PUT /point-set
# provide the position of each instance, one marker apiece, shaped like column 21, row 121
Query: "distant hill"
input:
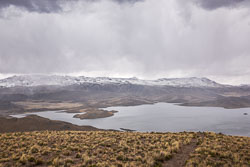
column 36, row 123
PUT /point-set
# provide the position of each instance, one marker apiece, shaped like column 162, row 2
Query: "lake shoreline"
column 163, row 117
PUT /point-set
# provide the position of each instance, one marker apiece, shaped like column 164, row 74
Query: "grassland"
column 221, row 150
column 109, row 148
column 33, row 105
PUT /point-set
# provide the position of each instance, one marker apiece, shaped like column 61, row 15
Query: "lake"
column 165, row 117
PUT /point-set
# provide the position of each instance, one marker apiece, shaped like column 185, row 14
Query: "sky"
column 148, row 39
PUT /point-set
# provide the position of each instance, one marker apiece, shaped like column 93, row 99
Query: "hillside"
column 106, row 148
column 36, row 123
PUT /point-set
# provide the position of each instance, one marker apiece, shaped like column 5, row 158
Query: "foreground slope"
column 108, row 148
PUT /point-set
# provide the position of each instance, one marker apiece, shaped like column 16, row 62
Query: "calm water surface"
column 165, row 117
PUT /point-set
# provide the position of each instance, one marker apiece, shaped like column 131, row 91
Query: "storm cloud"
column 46, row 6
column 173, row 38
column 214, row 4
column 49, row 6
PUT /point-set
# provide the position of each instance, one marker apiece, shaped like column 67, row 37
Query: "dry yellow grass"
column 72, row 148
column 108, row 148
column 221, row 150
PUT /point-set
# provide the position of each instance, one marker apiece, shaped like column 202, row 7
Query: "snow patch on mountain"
column 42, row 80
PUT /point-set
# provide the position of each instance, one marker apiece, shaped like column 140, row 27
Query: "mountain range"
column 40, row 80
column 20, row 94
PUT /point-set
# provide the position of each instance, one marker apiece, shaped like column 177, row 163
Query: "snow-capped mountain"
column 39, row 80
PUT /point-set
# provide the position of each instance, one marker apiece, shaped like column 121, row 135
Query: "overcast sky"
column 124, row 38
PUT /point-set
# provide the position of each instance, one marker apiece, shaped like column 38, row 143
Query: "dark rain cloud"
column 215, row 4
column 46, row 6
column 51, row 6
column 43, row 6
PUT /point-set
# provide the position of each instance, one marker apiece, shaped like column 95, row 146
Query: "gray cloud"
column 47, row 6
column 165, row 39
column 214, row 4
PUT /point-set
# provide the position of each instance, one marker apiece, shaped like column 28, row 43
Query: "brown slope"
column 36, row 123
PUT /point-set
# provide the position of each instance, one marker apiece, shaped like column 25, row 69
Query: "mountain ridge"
column 58, row 80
